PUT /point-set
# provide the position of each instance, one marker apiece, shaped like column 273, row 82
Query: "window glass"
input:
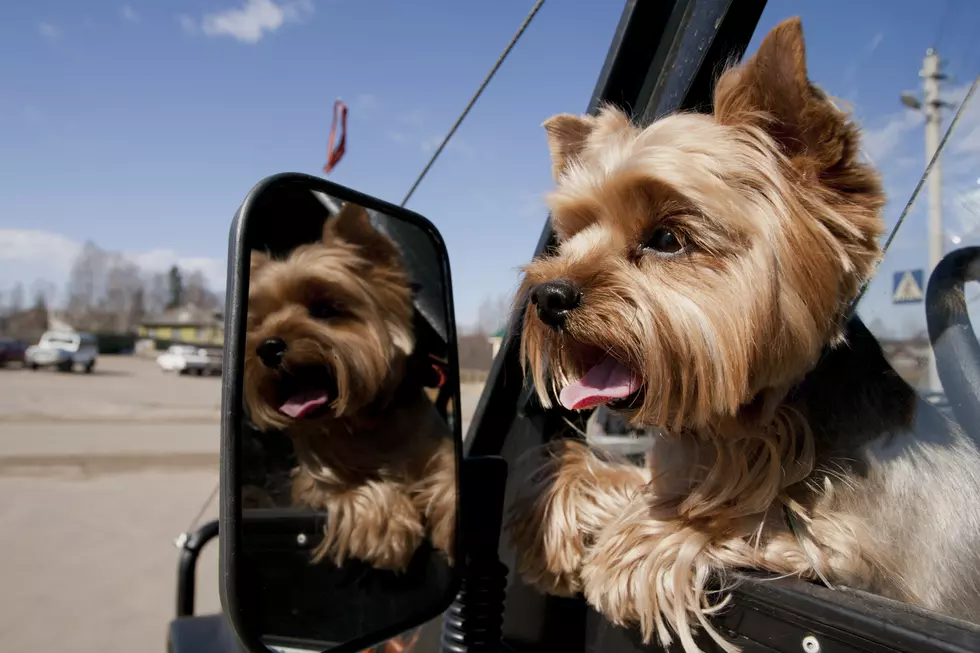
column 873, row 62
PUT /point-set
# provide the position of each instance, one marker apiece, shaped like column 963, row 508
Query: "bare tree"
column 46, row 289
column 86, row 284
column 122, row 284
column 16, row 302
column 108, row 292
column 137, row 307
column 196, row 292
column 493, row 314
column 157, row 294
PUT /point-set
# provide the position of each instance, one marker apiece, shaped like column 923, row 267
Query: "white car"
column 185, row 359
column 63, row 350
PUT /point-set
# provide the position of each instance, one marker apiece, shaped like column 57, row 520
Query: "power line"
column 922, row 181
column 476, row 96
column 943, row 21
column 931, row 164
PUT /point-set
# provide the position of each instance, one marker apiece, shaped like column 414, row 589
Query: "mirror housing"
column 273, row 591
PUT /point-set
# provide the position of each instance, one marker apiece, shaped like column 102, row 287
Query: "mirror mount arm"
column 474, row 621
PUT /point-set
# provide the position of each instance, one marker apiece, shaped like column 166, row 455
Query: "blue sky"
column 141, row 125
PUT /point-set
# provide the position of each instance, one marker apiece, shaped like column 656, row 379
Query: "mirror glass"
column 347, row 460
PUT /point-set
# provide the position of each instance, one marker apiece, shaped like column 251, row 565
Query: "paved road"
column 88, row 564
column 120, row 389
column 98, row 474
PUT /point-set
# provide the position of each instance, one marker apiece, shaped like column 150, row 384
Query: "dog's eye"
column 666, row 241
column 324, row 310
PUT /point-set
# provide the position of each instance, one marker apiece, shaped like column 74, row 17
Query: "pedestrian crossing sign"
column 907, row 287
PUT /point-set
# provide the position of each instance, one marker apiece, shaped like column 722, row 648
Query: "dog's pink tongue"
column 302, row 403
column 607, row 380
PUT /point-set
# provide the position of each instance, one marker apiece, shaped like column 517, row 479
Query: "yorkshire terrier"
column 329, row 336
column 706, row 264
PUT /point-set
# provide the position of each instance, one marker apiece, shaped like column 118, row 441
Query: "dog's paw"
column 435, row 498
column 441, row 520
column 653, row 574
column 377, row 524
column 567, row 500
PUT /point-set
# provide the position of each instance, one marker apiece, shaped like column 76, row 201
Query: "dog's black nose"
column 271, row 351
column 554, row 300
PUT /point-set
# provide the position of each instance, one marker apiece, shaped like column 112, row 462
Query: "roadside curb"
column 90, row 465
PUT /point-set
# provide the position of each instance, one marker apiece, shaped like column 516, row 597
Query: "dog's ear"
column 772, row 91
column 352, row 225
column 257, row 261
column 567, row 135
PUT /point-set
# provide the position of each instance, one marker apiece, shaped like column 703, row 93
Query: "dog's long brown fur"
column 776, row 222
column 380, row 459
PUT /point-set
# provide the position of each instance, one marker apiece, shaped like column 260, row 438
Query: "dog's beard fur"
column 344, row 308
column 778, row 221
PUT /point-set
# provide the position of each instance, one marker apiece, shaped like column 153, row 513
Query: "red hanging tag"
column 439, row 367
column 335, row 155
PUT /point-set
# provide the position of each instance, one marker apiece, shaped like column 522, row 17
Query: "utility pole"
column 932, row 107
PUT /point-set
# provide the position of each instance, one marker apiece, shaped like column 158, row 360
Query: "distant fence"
column 125, row 343
column 116, row 343
column 473, row 376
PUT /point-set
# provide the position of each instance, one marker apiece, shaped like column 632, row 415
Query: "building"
column 189, row 325
column 496, row 339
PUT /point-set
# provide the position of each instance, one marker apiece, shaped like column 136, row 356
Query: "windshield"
column 905, row 77
column 58, row 341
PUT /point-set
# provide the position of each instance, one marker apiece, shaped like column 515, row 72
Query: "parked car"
column 11, row 351
column 64, row 350
column 187, row 359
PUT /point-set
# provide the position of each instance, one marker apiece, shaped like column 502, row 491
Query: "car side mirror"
column 340, row 446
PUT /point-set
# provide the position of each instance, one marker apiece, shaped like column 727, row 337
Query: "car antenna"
column 476, row 96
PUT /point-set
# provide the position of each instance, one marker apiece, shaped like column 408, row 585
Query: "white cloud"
column 966, row 213
column 129, row 14
column 881, row 141
column 250, row 22
column 161, row 260
column 187, row 24
column 966, row 140
column 875, row 42
column 49, row 31
column 29, row 245
column 365, row 102
column 429, row 145
column 414, row 118
column 29, row 255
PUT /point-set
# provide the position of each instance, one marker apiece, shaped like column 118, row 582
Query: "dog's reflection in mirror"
column 333, row 364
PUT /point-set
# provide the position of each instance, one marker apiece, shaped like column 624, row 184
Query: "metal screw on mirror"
column 301, row 539
column 811, row 644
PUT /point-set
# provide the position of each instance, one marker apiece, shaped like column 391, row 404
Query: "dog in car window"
column 702, row 285
column 328, row 345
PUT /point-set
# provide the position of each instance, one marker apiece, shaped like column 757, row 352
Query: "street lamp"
column 930, row 106
column 909, row 100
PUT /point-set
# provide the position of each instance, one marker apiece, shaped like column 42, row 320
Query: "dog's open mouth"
column 304, row 392
column 606, row 381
